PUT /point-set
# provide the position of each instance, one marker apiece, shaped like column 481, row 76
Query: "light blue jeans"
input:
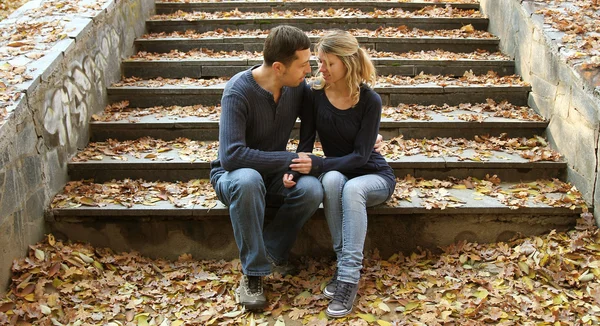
column 247, row 193
column 345, row 203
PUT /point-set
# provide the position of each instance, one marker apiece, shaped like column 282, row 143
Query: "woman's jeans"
column 345, row 203
column 247, row 194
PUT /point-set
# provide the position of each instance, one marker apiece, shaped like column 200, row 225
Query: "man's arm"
column 233, row 151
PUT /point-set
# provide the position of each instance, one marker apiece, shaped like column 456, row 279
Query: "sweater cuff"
column 317, row 165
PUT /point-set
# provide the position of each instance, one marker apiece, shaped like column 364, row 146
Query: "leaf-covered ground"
column 550, row 279
column 466, row 31
column 429, row 11
column 420, row 55
column 469, row 112
column 468, row 79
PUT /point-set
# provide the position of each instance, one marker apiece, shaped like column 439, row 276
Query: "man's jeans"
column 247, row 194
column 345, row 203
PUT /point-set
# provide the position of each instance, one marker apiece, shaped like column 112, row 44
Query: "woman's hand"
column 288, row 180
column 302, row 164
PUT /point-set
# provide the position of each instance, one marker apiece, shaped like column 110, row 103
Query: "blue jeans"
column 247, row 193
column 345, row 203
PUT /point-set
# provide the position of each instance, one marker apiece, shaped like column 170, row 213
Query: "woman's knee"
column 333, row 181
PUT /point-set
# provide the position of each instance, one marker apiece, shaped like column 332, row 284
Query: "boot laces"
column 255, row 284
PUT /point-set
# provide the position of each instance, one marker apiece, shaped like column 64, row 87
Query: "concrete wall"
column 50, row 121
column 562, row 93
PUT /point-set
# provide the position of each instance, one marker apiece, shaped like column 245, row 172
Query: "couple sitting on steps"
column 259, row 109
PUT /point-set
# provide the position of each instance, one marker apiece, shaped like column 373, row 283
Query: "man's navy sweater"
column 253, row 129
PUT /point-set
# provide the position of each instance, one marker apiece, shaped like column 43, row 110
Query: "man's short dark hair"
column 282, row 43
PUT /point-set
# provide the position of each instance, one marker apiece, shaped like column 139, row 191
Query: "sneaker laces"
column 343, row 292
column 255, row 284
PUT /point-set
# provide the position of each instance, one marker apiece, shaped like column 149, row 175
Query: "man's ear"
column 278, row 68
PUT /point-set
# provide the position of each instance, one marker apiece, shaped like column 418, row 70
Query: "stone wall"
column 50, row 121
column 563, row 93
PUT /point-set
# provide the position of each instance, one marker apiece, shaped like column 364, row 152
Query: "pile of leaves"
column 434, row 193
column 8, row 6
column 439, row 55
column 437, row 194
column 579, row 20
column 160, row 81
column 122, row 111
column 129, row 192
column 30, row 38
column 429, row 11
column 469, row 78
column 432, row 1
column 534, row 149
column 196, row 53
column 546, row 279
column 418, row 55
column 476, row 112
column 403, row 31
column 149, row 148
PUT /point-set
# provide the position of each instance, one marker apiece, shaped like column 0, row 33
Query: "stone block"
column 2, row 190
column 586, row 105
column 32, row 170
column 57, row 168
column 583, row 183
column 34, row 209
column 577, row 141
column 26, row 138
column 562, row 102
column 522, row 53
column 13, row 192
column 541, row 105
column 545, row 62
column 542, row 88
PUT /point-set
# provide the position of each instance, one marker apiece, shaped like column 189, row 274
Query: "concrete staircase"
column 471, row 160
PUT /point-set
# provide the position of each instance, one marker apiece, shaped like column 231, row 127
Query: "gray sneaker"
column 343, row 300
column 329, row 289
column 250, row 293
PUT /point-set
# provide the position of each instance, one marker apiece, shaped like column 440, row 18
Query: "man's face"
column 295, row 73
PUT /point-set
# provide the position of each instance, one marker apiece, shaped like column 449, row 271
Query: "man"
column 259, row 110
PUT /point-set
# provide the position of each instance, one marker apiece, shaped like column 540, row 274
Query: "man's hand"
column 379, row 144
column 288, row 180
column 302, row 164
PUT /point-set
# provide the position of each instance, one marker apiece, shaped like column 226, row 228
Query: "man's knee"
column 247, row 181
column 310, row 189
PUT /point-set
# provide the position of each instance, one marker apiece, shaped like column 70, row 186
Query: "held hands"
column 302, row 164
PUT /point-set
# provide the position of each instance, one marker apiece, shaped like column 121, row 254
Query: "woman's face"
column 331, row 67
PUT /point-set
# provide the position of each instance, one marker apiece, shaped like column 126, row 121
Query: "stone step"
column 227, row 67
column 512, row 159
column 420, row 214
column 162, row 43
column 508, row 167
column 304, row 23
column 268, row 6
column 425, row 94
column 412, row 121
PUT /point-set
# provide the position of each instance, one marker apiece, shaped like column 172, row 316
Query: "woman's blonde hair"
column 359, row 67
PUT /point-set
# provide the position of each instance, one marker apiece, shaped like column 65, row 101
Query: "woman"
column 346, row 113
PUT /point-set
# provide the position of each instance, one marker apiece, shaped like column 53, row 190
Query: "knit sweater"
column 347, row 136
column 253, row 129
